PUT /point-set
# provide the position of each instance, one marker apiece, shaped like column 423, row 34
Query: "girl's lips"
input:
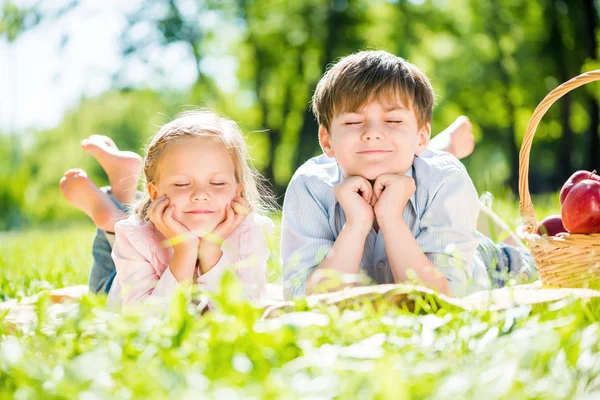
column 200, row 212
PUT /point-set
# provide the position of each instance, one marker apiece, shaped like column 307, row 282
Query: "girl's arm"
column 139, row 271
column 247, row 253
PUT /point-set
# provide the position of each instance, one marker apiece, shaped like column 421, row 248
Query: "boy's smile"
column 380, row 138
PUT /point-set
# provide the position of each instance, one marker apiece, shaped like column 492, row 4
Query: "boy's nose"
column 372, row 133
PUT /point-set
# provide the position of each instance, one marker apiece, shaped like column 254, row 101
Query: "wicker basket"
column 566, row 260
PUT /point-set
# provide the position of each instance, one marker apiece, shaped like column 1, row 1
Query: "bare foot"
column 457, row 139
column 122, row 167
column 81, row 192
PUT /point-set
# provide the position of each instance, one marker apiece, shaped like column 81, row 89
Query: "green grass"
column 547, row 351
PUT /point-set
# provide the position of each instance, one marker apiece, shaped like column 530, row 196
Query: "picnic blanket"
column 413, row 298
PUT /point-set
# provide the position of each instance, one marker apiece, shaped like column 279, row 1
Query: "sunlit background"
column 69, row 69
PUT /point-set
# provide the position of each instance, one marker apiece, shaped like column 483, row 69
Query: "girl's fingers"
column 168, row 214
column 158, row 204
column 239, row 208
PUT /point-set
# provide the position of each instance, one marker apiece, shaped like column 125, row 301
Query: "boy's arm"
column 354, row 195
column 448, row 236
column 307, row 238
column 449, row 229
column 392, row 193
column 409, row 256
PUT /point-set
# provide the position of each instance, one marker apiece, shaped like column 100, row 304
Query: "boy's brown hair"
column 367, row 75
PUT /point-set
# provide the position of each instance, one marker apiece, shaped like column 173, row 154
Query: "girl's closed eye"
column 181, row 184
column 394, row 121
column 218, row 183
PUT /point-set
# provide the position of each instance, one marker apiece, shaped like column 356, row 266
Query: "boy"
column 378, row 200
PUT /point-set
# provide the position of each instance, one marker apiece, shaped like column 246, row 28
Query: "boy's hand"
column 160, row 213
column 354, row 195
column 391, row 193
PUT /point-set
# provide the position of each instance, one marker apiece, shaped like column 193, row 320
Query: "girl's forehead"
column 193, row 152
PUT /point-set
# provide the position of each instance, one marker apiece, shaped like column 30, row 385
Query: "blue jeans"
column 504, row 261
column 103, row 268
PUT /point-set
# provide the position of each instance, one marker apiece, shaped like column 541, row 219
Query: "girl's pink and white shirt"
column 142, row 261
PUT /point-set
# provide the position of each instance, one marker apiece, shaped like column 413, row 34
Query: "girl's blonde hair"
column 204, row 123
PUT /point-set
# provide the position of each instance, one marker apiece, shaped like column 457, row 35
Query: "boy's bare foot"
column 122, row 167
column 457, row 139
column 81, row 192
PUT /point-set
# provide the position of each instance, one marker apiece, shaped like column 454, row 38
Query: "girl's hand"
column 235, row 214
column 160, row 213
column 209, row 249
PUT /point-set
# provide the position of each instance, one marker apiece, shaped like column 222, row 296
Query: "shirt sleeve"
column 306, row 236
column 247, row 254
column 251, row 267
column 448, row 229
column 138, row 278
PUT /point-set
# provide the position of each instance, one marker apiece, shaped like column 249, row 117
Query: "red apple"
column 574, row 180
column 551, row 226
column 581, row 210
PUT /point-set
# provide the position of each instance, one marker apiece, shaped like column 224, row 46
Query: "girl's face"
column 197, row 175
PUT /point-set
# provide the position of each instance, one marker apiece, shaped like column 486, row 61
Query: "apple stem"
column 593, row 172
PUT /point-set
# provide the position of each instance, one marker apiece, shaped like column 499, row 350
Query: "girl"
column 200, row 215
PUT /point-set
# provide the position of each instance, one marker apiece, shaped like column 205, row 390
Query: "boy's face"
column 380, row 138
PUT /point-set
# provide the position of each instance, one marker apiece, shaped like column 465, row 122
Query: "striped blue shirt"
column 442, row 215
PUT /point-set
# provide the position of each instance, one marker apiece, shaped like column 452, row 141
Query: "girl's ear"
column 424, row 135
column 325, row 142
column 238, row 190
column 152, row 191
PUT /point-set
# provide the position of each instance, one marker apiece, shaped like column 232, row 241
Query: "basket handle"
column 525, row 205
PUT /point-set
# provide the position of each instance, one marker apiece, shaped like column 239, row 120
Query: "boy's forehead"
column 387, row 103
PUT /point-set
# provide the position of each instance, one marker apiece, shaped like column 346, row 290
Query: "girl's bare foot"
column 122, row 167
column 81, row 192
column 457, row 139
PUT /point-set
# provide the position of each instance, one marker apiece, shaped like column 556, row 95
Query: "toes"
column 98, row 141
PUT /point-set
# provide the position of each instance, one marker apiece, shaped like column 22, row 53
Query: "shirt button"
column 381, row 264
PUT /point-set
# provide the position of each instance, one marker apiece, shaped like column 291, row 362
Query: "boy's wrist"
column 360, row 229
column 387, row 224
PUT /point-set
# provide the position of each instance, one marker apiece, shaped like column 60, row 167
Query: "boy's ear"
column 424, row 136
column 152, row 191
column 325, row 142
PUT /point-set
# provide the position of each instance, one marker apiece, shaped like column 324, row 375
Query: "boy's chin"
column 369, row 174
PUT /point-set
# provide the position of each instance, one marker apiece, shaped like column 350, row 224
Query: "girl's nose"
column 200, row 194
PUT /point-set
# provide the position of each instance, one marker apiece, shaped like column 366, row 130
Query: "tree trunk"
column 565, row 162
column 308, row 141
column 591, row 22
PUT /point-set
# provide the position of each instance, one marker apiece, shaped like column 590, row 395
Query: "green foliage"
column 547, row 351
column 44, row 259
column 259, row 63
